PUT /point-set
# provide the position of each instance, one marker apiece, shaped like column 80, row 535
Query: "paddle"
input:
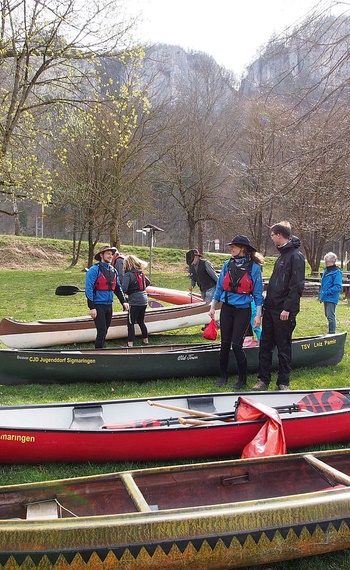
column 142, row 424
column 68, row 290
column 64, row 290
column 169, row 421
column 184, row 410
column 317, row 402
column 202, row 422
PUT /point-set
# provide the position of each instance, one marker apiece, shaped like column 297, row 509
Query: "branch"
column 8, row 213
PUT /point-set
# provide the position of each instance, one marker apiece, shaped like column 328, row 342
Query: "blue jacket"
column 97, row 297
column 240, row 299
column 331, row 284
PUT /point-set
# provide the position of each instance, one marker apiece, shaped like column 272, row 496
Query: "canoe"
column 36, row 334
column 215, row 515
column 174, row 296
column 133, row 429
column 44, row 366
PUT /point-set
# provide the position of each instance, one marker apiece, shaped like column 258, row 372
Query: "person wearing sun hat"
column 101, row 284
column 202, row 273
column 239, row 283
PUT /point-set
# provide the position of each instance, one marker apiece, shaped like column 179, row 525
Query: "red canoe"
column 132, row 429
column 173, row 296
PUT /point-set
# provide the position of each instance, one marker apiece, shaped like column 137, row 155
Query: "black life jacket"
column 237, row 278
column 106, row 279
column 199, row 274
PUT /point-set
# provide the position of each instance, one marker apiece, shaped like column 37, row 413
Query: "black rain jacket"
column 287, row 281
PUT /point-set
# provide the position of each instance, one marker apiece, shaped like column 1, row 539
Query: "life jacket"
column 106, row 279
column 237, row 278
column 115, row 257
column 199, row 274
column 138, row 283
column 141, row 280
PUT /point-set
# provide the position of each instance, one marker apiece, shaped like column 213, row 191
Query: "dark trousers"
column 276, row 333
column 102, row 322
column 233, row 325
column 137, row 315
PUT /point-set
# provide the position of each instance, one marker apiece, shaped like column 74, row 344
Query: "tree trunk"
column 16, row 218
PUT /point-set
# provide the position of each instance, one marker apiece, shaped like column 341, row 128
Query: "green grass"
column 30, row 295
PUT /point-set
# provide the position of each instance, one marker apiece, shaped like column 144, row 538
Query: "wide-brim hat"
column 241, row 240
column 103, row 249
column 190, row 255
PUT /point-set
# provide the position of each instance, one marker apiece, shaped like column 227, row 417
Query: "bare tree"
column 307, row 70
column 202, row 134
column 319, row 203
column 260, row 179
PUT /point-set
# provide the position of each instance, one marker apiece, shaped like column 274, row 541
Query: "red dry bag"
column 211, row 331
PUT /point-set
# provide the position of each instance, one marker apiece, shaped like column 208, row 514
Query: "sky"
column 232, row 31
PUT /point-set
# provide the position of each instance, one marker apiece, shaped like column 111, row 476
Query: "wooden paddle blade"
column 327, row 401
column 68, row 290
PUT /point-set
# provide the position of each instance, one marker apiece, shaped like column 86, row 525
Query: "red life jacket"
column 237, row 278
column 141, row 280
column 106, row 280
column 115, row 257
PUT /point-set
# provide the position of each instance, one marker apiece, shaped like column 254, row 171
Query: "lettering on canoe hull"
column 57, row 360
column 187, row 357
column 318, row 343
column 17, row 437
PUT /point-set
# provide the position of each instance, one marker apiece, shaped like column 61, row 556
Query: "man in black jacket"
column 202, row 273
column 281, row 306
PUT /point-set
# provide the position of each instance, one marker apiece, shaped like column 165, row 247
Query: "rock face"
column 315, row 55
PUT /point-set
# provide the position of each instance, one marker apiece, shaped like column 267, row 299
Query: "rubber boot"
column 242, row 376
column 241, row 383
column 222, row 380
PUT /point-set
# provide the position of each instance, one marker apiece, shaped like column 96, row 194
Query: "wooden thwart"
column 135, row 493
column 327, row 470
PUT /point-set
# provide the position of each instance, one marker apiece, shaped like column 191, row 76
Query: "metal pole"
column 150, row 255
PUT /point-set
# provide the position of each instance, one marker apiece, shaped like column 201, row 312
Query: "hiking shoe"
column 239, row 385
column 283, row 387
column 260, row 385
column 221, row 381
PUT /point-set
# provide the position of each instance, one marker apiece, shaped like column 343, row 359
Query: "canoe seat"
column 87, row 418
column 201, row 403
column 42, row 510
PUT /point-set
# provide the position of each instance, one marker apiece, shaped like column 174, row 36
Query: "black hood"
column 293, row 243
